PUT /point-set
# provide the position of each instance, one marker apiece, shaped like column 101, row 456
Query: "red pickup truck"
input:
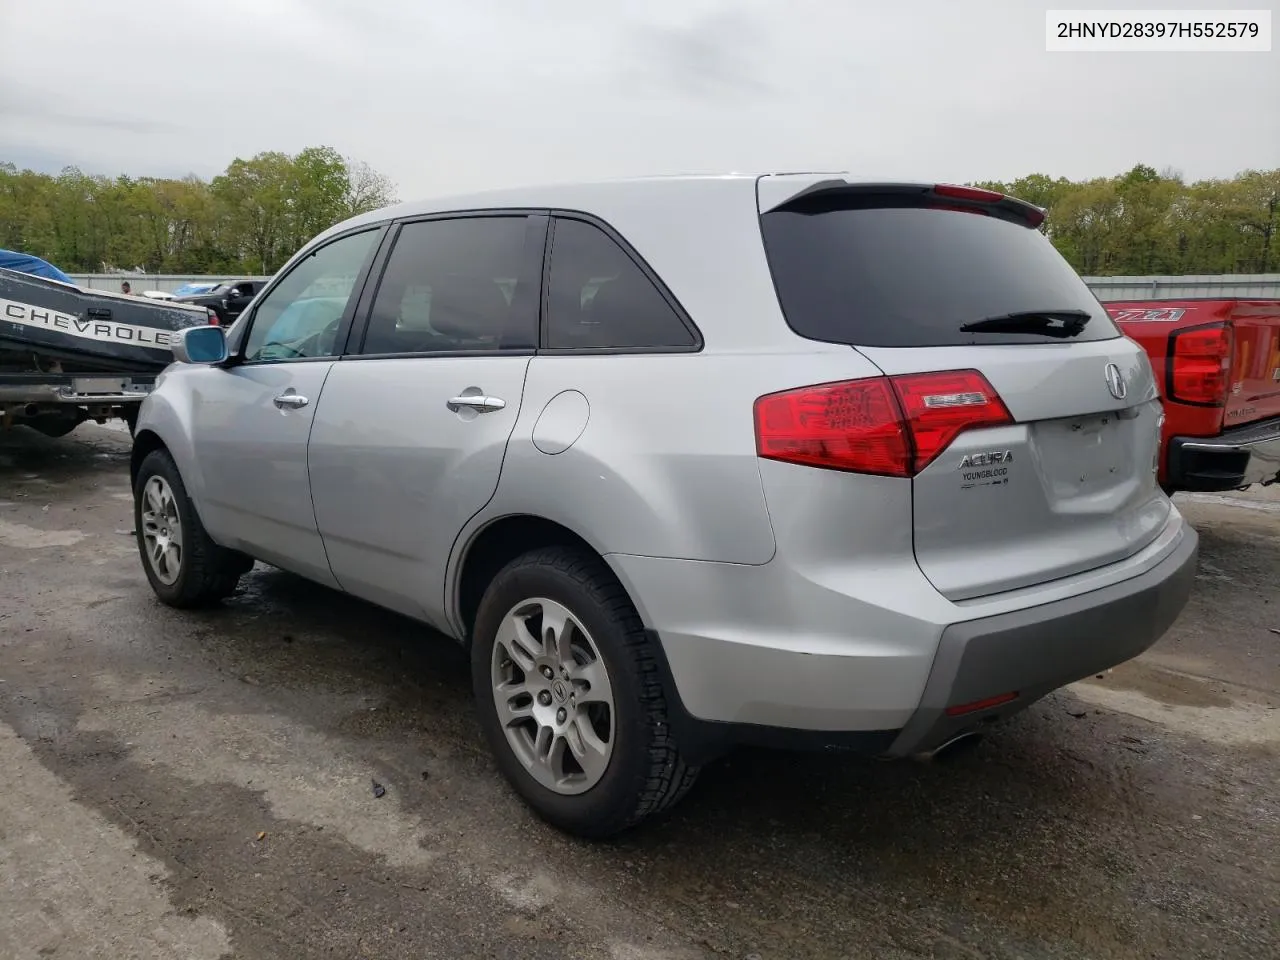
column 1218, row 365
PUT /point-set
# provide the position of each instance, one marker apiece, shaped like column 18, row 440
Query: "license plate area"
column 1084, row 455
column 102, row 385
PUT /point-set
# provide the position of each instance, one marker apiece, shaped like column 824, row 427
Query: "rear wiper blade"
column 1049, row 323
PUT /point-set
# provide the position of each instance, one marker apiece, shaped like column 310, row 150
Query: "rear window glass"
column 911, row 276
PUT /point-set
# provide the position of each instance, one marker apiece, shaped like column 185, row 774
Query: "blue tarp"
column 25, row 263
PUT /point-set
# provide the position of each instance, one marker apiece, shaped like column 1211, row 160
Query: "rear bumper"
column 74, row 389
column 1035, row 651
column 1235, row 458
column 765, row 656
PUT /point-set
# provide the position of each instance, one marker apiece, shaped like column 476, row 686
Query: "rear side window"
column 449, row 286
column 855, row 272
column 599, row 298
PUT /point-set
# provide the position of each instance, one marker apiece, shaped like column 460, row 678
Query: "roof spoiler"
column 781, row 193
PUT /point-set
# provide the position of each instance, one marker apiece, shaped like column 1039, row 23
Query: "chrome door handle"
column 476, row 403
column 291, row 400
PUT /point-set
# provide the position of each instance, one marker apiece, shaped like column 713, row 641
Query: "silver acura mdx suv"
column 793, row 460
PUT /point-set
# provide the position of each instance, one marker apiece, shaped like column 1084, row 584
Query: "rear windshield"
column 912, row 276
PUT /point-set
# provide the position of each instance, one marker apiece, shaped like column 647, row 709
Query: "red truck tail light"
column 1198, row 365
column 890, row 426
column 213, row 317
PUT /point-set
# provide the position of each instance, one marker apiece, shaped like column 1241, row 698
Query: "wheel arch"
column 145, row 442
column 492, row 546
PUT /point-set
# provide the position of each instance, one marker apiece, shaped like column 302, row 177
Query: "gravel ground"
column 201, row 786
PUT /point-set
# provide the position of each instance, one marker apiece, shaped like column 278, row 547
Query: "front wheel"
column 570, row 698
column 184, row 566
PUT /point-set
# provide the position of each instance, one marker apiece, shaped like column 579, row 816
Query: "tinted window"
column 909, row 276
column 301, row 315
column 600, row 298
column 449, row 285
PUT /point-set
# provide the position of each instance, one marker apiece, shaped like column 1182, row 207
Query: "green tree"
column 256, row 213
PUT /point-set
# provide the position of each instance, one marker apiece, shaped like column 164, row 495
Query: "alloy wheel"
column 162, row 530
column 553, row 696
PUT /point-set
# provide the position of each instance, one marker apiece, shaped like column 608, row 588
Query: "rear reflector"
column 964, row 708
column 1199, row 361
column 888, row 426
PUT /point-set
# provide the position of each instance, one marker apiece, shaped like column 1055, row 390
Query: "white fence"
column 1257, row 286
column 164, row 282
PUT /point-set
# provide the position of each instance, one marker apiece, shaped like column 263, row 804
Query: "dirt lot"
column 201, row 786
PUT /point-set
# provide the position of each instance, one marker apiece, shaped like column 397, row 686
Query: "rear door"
column 920, row 282
column 410, row 436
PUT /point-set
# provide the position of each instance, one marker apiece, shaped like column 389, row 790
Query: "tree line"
column 249, row 219
column 255, row 214
column 1143, row 222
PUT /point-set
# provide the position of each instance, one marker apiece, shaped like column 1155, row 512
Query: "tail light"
column 213, row 317
column 968, row 193
column 890, row 426
column 1033, row 215
column 1199, row 362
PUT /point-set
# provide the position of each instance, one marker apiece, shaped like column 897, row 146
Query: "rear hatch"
column 1035, row 459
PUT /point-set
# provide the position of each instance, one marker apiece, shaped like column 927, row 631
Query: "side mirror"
column 206, row 345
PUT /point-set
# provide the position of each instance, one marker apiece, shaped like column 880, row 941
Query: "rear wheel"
column 570, row 698
column 184, row 566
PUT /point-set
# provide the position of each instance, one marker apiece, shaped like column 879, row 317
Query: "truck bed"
column 69, row 355
column 87, row 329
column 1226, row 434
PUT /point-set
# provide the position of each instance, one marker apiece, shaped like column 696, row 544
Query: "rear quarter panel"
column 653, row 455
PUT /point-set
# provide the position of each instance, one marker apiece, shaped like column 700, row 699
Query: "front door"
column 411, row 431
column 252, row 420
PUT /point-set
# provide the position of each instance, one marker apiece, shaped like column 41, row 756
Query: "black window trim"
column 652, row 275
column 346, row 322
column 536, row 217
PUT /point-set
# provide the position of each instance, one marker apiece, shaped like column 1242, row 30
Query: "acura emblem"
column 1115, row 382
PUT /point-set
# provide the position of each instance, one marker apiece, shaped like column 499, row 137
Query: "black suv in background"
column 228, row 299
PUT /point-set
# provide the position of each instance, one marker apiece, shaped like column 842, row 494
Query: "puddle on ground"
column 32, row 538
column 1164, row 686
column 1184, row 705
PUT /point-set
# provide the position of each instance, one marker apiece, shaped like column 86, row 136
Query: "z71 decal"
column 1155, row 315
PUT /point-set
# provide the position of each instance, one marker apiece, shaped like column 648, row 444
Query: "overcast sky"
column 473, row 93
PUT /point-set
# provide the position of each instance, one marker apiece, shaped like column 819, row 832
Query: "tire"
column 644, row 773
column 201, row 573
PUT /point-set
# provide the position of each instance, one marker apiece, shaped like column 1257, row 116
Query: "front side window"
column 449, row 286
column 301, row 316
column 599, row 298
